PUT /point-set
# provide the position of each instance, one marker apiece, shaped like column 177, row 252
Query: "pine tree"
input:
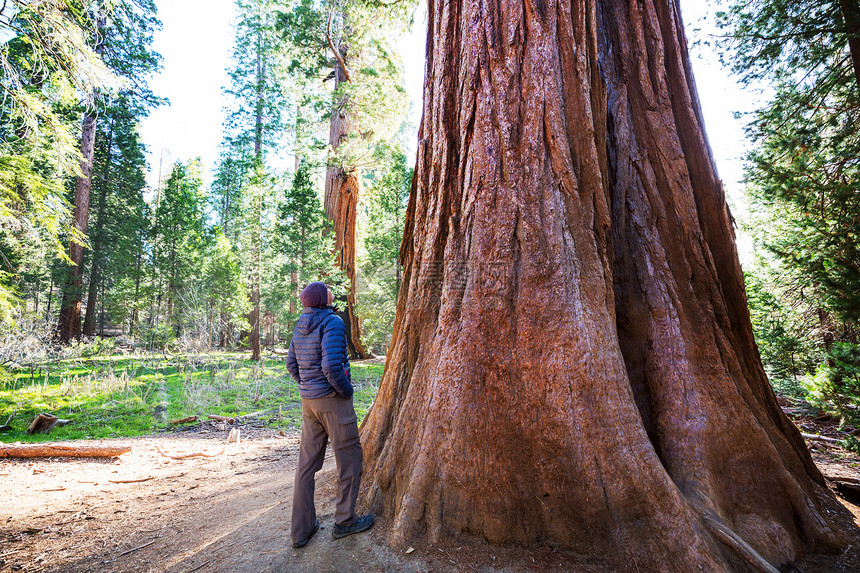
column 254, row 129
column 303, row 243
column 121, row 38
column 804, row 171
column 178, row 236
column 45, row 62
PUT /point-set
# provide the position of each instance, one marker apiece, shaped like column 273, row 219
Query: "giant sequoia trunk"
column 572, row 358
column 341, row 208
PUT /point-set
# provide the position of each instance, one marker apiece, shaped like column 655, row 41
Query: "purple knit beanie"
column 315, row 295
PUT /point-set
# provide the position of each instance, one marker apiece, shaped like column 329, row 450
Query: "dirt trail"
column 230, row 512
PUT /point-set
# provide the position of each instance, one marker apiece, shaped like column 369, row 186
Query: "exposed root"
column 731, row 539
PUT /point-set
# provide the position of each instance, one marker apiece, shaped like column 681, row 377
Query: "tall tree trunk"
column 294, row 289
column 341, row 208
column 134, row 312
column 572, row 359
column 257, row 212
column 851, row 15
column 69, row 323
column 50, row 296
column 95, row 272
column 256, row 276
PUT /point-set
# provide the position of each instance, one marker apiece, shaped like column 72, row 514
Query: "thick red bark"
column 89, row 328
column 341, row 207
column 69, row 325
column 69, row 322
column 572, row 359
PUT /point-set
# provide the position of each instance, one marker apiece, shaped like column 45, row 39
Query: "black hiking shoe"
column 303, row 542
column 361, row 524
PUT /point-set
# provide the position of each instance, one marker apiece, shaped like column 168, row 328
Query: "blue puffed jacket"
column 318, row 358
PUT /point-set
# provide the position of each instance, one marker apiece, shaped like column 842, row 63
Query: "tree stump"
column 44, row 423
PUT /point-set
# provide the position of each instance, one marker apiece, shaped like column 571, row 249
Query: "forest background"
column 197, row 236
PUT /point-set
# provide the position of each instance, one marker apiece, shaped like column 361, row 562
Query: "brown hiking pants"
column 331, row 417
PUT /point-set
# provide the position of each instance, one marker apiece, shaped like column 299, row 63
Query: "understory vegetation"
column 118, row 395
column 803, row 185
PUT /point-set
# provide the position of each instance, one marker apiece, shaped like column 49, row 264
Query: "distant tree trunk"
column 95, row 271
column 134, row 312
column 172, row 286
column 69, row 323
column 211, row 319
column 50, row 297
column 257, row 214
column 341, row 207
column 851, row 15
column 572, row 360
column 256, row 275
column 294, row 289
column 102, row 314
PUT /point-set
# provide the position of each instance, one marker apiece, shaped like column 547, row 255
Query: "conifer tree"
column 122, row 38
column 804, row 171
column 255, row 129
column 303, row 243
column 46, row 57
column 178, row 236
column 350, row 43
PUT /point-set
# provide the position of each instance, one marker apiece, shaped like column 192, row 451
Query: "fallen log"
column 44, row 423
column 54, row 451
column 847, row 487
column 187, row 420
column 224, row 419
column 817, row 438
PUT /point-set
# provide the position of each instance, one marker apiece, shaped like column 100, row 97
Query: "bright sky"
column 196, row 41
column 195, row 44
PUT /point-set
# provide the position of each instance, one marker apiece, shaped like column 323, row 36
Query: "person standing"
column 319, row 362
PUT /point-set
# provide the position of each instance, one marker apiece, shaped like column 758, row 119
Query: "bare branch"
column 341, row 62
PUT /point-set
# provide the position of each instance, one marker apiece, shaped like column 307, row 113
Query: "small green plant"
column 160, row 337
column 835, row 385
column 852, row 444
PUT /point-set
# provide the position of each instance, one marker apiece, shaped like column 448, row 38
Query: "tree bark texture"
column 69, row 324
column 851, row 15
column 341, row 207
column 572, row 359
column 256, row 274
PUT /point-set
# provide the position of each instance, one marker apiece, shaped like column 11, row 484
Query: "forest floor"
column 146, row 511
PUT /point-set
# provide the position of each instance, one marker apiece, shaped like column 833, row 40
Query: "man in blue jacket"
column 319, row 361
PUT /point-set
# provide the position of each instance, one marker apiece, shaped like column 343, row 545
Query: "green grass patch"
column 121, row 396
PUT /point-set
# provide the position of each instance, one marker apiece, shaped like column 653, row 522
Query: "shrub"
column 835, row 385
